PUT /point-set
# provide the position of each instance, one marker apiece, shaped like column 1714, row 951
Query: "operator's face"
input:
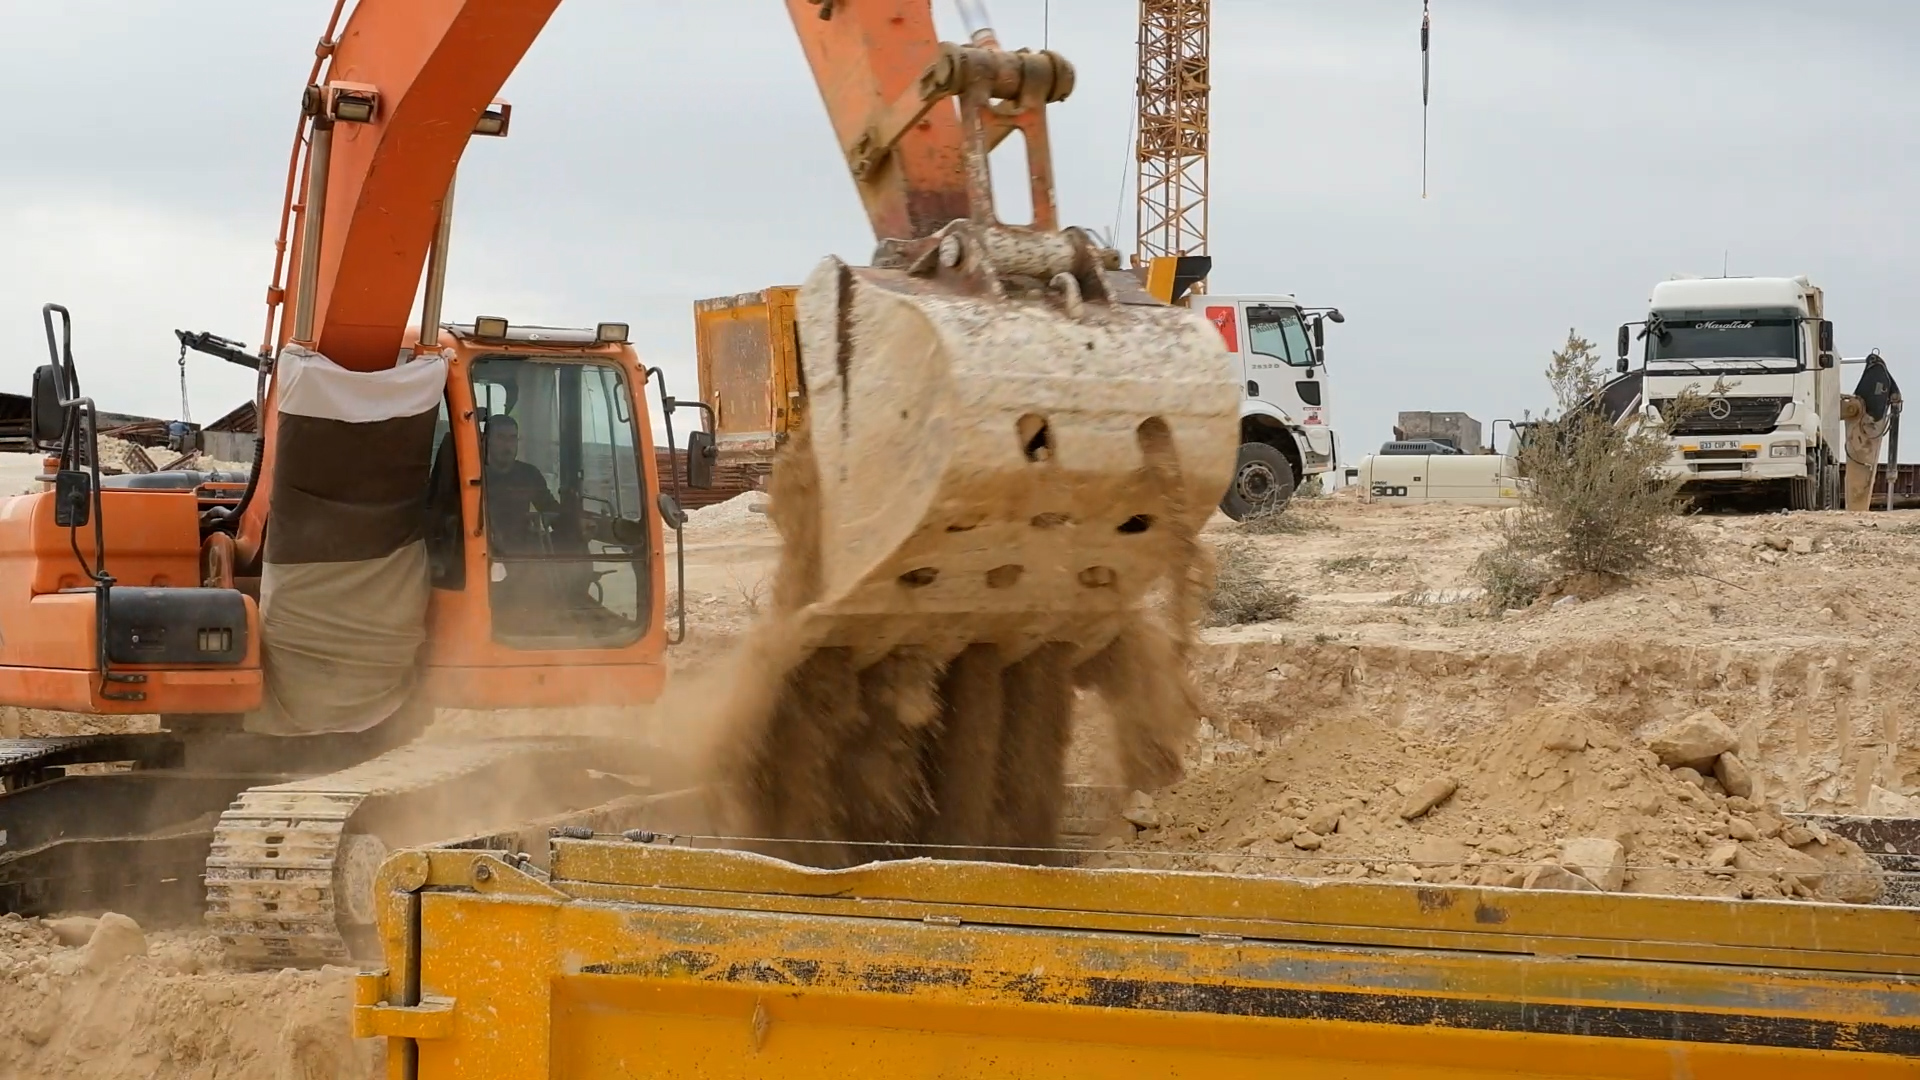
column 503, row 446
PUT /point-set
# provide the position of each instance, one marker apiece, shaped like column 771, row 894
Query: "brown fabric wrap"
column 345, row 492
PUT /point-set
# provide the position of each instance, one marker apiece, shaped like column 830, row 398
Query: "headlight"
column 1785, row 449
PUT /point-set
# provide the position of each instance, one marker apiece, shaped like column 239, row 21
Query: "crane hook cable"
column 1426, row 71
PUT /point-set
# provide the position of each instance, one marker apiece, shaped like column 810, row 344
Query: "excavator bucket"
column 1008, row 454
column 998, row 469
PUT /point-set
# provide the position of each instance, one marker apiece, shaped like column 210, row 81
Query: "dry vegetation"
column 1242, row 593
column 1596, row 514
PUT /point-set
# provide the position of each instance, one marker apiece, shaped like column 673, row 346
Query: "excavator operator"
column 515, row 492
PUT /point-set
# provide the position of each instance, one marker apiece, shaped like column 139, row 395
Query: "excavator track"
column 25, row 761
column 290, row 872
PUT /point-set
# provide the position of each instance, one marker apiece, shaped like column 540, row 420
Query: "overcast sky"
column 663, row 152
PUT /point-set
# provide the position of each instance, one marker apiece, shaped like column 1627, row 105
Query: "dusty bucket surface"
column 996, row 499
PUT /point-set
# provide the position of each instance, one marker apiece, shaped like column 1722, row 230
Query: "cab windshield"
column 1694, row 342
column 564, row 503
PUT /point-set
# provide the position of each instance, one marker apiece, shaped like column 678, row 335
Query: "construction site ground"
column 1392, row 727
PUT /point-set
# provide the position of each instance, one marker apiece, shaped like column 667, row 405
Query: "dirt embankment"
column 1391, row 728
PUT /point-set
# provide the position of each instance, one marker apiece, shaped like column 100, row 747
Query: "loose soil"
column 1318, row 733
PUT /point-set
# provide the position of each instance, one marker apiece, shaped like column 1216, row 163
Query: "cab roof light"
column 611, row 333
column 490, row 326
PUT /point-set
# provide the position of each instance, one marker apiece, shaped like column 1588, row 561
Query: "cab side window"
column 1276, row 332
column 446, row 549
column 1265, row 335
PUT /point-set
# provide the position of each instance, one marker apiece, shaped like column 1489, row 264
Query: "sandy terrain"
column 1390, row 684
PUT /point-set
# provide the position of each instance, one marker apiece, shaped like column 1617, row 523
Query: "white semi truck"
column 1759, row 353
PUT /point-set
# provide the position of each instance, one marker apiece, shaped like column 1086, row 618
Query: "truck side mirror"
column 1620, row 365
column 48, row 419
column 1622, row 343
column 700, row 458
column 1826, row 343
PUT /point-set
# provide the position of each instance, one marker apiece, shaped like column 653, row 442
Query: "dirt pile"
column 124, row 1005
column 1541, row 794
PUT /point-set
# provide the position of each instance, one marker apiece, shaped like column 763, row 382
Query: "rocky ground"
column 1651, row 740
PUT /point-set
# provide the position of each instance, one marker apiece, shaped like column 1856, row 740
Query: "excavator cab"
column 545, row 546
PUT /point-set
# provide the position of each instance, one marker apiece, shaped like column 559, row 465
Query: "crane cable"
column 1426, row 73
column 185, row 416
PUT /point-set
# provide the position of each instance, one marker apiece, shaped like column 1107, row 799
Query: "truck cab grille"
column 1737, row 415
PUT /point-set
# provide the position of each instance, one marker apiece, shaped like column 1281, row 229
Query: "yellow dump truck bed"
column 749, row 357
column 636, row 960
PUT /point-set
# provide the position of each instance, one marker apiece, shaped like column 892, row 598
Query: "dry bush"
column 751, row 594
column 1354, row 564
column 1288, row 520
column 1242, row 594
column 1512, row 580
column 1596, row 505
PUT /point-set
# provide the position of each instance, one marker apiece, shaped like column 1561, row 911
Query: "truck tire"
column 1801, row 493
column 1830, row 479
column 1263, row 482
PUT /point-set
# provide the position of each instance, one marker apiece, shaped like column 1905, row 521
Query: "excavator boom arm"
column 430, row 69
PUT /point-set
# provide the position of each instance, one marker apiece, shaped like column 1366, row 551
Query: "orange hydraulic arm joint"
column 920, row 162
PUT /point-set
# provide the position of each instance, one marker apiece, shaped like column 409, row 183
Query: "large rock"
column 1140, row 811
column 1733, row 775
column 1429, row 795
column 115, row 939
column 1694, row 742
column 1549, row 875
column 73, row 930
column 1601, row 861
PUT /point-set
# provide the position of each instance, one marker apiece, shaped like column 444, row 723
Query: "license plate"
column 1719, row 444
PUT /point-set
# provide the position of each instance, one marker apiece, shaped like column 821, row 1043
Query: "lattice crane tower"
column 1171, row 217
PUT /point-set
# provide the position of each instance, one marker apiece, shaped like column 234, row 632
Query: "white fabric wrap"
column 341, row 640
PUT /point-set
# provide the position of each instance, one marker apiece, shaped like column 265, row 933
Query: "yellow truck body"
column 636, row 960
column 749, row 359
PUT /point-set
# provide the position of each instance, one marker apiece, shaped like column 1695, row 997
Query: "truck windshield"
column 1774, row 342
column 564, row 501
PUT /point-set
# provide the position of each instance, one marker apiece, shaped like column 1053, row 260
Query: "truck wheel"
column 1263, row 482
column 1800, row 492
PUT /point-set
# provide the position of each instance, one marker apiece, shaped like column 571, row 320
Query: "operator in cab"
column 515, row 492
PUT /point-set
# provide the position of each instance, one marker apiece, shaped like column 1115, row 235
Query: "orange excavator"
column 466, row 515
